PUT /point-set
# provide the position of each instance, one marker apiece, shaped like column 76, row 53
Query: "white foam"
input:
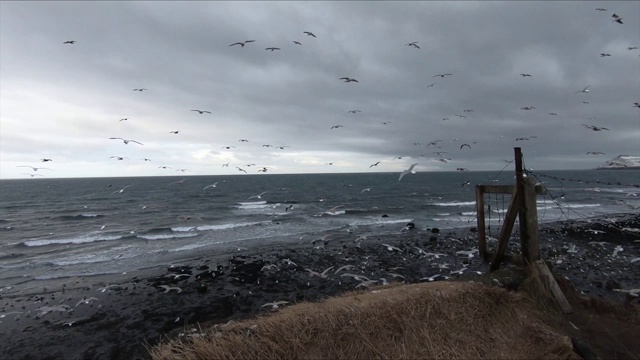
column 167, row 236
column 77, row 240
column 455, row 203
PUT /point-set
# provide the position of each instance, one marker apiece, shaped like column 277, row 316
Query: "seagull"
column 168, row 288
column 242, row 44
column 632, row 48
column 442, row 75
column 636, row 104
column 322, row 274
column 45, row 160
column 526, row 75
column 468, row 182
column 174, row 132
column 227, row 147
column 433, row 277
column 391, row 248
column 522, row 138
column 210, row 186
column 123, row 119
column 275, row 304
column 594, row 128
column 348, row 79
column 366, row 189
column 264, row 170
column 202, row 111
column 462, row 169
column 183, row 170
column 604, row 54
column 617, row 19
column 118, row 157
column 141, row 89
column 595, row 153
column 178, row 182
column 414, row 44
column 87, row 301
column 309, row 33
column 241, row 169
column 372, row 165
column 354, row 111
column 145, row 159
column 585, row 90
column 297, row 42
column 527, row 108
column 71, row 42
column 461, row 116
column 126, row 141
column 467, row 111
column 463, row 145
column 35, row 168
column 32, row 175
column 329, row 163
column 601, row 9
column 272, row 48
column 164, row 167
column 553, row 114
column 225, row 165
column 432, row 85
column 409, row 170
column 120, row 191
column 259, row 196
column 336, row 127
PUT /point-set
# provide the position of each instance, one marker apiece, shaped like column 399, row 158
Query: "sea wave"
column 219, row 226
column 74, row 240
column 80, row 216
column 455, row 203
column 167, row 236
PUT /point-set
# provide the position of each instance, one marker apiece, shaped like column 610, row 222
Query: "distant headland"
column 622, row 162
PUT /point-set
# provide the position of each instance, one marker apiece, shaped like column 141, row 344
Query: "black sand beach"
column 115, row 317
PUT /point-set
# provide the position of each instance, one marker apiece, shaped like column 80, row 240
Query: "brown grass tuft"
column 428, row 320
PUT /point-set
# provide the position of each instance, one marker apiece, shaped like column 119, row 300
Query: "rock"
column 435, row 230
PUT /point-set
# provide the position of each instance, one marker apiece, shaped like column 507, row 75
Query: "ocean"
column 60, row 228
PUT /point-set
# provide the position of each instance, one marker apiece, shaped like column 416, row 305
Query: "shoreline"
column 68, row 323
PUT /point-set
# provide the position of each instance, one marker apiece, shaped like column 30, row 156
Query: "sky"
column 65, row 101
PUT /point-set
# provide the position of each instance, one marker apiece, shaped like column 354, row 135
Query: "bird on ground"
column 354, row 111
column 118, row 157
column 585, row 90
column 604, row 54
column 71, row 42
column 595, row 153
column 174, row 132
column 275, row 304
column 297, row 42
column 443, row 75
column 408, row 171
column 210, row 186
column 463, row 145
column 242, row 44
column 617, row 19
column 126, row 141
column 391, row 248
column 526, row 75
column 594, row 128
column 372, row 165
column 121, row 190
column 45, row 160
column 348, row 79
column 309, row 33
column 168, row 288
column 414, row 44
column 140, row 90
column 272, row 48
column 336, row 127
column 202, row 111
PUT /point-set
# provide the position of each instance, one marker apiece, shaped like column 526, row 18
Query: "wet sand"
column 142, row 308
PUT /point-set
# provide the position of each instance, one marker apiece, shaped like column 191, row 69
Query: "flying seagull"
column 121, row 190
column 272, row 48
column 210, row 186
column 69, row 42
column 309, row 33
column 45, row 160
column 174, row 132
column 297, row 42
column 354, row 111
column 202, row 111
column 348, row 79
column 118, row 157
column 35, row 168
column 432, row 85
column 527, row 108
column 259, row 196
column 409, row 170
column 604, row 54
column 595, row 153
column 601, row 9
column 126, row 141
column 442, row 75
column 526, row 75
column 32, row 175
column 242, row 44
column 414, row 44
column 372, row 165
column 124, row 119
column 336, row 127
column 585, row 90
column 463, row 145
column 141, row 89
column 594, row 128
column 553, row 114
column 617, row 19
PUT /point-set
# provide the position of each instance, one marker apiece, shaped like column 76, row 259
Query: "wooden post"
column 522, row 210
column 482, row 236
column 545, row 274
column 533, row 240
column 505, row 232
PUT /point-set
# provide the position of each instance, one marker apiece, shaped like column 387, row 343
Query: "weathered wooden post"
column 482, row 236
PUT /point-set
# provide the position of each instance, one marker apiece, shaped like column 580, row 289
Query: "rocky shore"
column 116, row 317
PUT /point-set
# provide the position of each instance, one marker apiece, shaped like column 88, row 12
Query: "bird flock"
column 437, row 156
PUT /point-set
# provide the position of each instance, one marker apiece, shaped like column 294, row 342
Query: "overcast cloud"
column 64, row 101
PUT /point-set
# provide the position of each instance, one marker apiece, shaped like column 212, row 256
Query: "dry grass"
column 429, row 320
